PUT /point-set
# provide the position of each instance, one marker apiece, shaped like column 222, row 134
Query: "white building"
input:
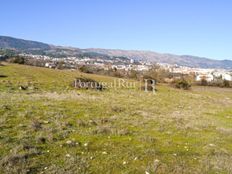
column 223, row 75
column 227, row 77
column 132, row 61
column 120, row 67
column 49, row 65
column 207, row 77
column 142, row 68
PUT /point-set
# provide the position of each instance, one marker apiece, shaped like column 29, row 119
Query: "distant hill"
column 58, row 51
column 183, row 60
column 20, row 44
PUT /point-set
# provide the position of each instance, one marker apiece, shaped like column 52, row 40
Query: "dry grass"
column 53, row 128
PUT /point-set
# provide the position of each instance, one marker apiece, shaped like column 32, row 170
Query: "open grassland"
column 53, row 128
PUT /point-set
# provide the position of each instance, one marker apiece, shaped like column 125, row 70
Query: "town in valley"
column 128, row 64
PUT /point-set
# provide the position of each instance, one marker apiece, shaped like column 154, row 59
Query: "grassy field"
column 54, row 128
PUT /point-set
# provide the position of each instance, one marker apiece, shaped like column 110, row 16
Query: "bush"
column 17, row 59
column 132, row 74
column 203, row 82
column 60, row 65
column 216, row 83
column 226, row 83
column 182, row 84
column 156, row 73
column 86, row 69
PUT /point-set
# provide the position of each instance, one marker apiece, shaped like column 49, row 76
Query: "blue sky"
column 193, row 27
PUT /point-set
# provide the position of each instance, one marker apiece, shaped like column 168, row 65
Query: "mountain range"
column 33, row 47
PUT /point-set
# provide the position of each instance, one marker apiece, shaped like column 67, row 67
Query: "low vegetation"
column 217, row 83
column 50, row 127
column 182, row 84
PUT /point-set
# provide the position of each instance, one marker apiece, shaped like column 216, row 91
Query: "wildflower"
column 104, row 153
column 156, row 161
column 69, row 142
column 211, row 145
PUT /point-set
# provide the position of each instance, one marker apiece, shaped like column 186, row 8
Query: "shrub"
column 217, row 83
column 132, row 74
column 60, row 65
column 226, row 84
column 86, row 69
column 182, row 84
column 17, row 59
column 203, row 82
column 156, row 73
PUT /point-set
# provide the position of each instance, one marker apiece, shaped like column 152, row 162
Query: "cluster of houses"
column 217, row 74
column 209, row 75
column 131, row 64
column 106, row 64
column 141, row 67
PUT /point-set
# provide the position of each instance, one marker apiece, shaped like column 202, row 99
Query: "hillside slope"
column 22, row 45
column 53, row 128
column 58, row 51
column 183, row 60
